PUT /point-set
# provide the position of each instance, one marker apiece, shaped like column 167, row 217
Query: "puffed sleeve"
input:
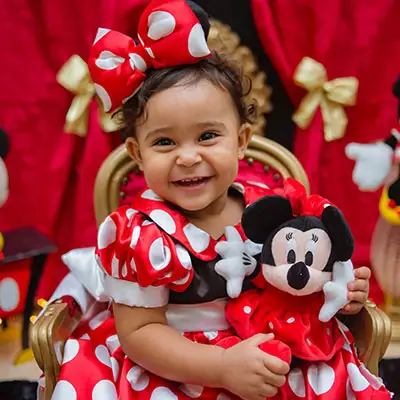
column 141, row 261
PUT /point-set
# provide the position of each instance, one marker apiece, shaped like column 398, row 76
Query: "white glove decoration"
column 336, row 290
column 236, row 261
column 373, row 164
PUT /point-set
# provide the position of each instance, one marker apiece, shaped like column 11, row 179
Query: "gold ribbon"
column 330, row 96
column 74, row 76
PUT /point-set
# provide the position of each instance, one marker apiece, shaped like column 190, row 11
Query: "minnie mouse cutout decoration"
column 305, row 268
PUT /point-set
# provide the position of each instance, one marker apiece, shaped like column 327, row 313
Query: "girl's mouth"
column 191, row 182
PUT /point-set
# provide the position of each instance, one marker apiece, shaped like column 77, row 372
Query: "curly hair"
column 216, row 69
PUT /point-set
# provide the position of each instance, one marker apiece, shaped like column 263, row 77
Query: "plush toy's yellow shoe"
column 389, row 209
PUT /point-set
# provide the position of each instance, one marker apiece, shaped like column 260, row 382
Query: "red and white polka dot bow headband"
column 169, row 34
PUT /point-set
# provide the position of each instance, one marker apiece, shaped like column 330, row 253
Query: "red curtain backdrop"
column 358, row 38
column 52, row 172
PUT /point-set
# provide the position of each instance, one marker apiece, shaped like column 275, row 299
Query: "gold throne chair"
column 371, row 327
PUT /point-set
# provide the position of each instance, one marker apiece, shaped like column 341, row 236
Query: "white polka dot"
column 150, row 52
column 138, row 378
column 108, row 60
column 239, row 187
column 95, row 322
column 104, row 97
column 193, row 391
column 375, row 381
column 357, row 381
column 198, row 239
column 259, row 184
column 115, row 267
column 130, row 212
column 133, row 265
column 104, row 390
column 100, row 33
column 140, row 40
column 64, row 391
column 223, row 396
column 247, row 309
column 163, row 393
column 197, row 44
column 150, row 195
column 135, row 237
column 9, row 294
column 124, row 271
column 211, row 335
column 85, row 337
column 271, row 325
column 308, row 341
column 183, row 256
column 164, row 221
column 115, row 368
column 103, row 355
column 290, row 320
column 159, row 255
column 147, row 222
column 347, row 347
column 179, row 281
column 349, row 391
column 320, row 377
column 296, row 382
column 161, row 24
column 71, row 349
column 107, row 233
column 112, row 343
column 137, row 62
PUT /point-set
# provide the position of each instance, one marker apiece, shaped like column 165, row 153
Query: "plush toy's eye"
column 291, row 257
column 309, row 258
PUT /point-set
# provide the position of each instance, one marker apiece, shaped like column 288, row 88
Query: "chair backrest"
column 276, row 161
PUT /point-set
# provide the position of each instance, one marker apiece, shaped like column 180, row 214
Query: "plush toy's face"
column 297, row 260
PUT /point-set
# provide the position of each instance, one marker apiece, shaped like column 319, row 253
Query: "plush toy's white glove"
column 336, row 290
column 373, row 164
column 237, row 261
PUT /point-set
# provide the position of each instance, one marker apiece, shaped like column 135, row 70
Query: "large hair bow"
column 169, row 34
column 302, row 204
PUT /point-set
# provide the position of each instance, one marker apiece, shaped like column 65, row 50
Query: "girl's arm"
column 243, row 369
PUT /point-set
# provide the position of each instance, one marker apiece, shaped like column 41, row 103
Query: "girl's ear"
column 245, row 133
column 133, row 149
column 264, row 216
column 339, row 232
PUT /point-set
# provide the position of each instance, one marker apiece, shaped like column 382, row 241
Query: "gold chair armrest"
column 372, row 330
column 48, row 336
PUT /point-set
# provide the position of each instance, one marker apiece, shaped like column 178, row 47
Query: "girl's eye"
column 164, row 142
column 208, row 136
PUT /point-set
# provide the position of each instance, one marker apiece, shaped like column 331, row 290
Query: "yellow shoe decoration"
column 388, row 208
column 24, row 356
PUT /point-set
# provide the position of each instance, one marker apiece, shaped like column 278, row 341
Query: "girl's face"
column 190, row 144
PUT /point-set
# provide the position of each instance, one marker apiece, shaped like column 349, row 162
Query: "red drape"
column 350, row 38
column 52, row 172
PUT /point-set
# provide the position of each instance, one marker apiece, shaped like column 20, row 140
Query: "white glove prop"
column 373, row 164
column 236, row 261
column 336, row 290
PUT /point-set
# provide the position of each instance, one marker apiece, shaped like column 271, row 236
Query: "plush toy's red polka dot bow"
column 302, row 204
column 169, row 34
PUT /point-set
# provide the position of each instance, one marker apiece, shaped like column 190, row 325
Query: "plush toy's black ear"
column 201, row 16
column 4, row 144
column 339, row 232
column 265, row 215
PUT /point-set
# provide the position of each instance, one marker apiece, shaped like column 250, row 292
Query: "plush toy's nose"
column 298, row 276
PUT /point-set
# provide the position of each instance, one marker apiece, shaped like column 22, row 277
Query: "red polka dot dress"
column 152, row 256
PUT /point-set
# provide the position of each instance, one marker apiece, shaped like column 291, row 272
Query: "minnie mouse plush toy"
column 305, row 268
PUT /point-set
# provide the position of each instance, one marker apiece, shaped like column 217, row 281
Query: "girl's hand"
column 358, row 291
column 251, row 373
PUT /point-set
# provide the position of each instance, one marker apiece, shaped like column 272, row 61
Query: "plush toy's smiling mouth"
column 298, row 276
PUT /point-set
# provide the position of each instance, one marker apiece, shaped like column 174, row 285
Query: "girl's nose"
column 188, row 157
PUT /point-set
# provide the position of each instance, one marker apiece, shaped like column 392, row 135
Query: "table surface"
column 25, row 243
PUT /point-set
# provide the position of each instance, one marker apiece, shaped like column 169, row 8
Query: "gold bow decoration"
column 74, row 76
column 330, row 96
